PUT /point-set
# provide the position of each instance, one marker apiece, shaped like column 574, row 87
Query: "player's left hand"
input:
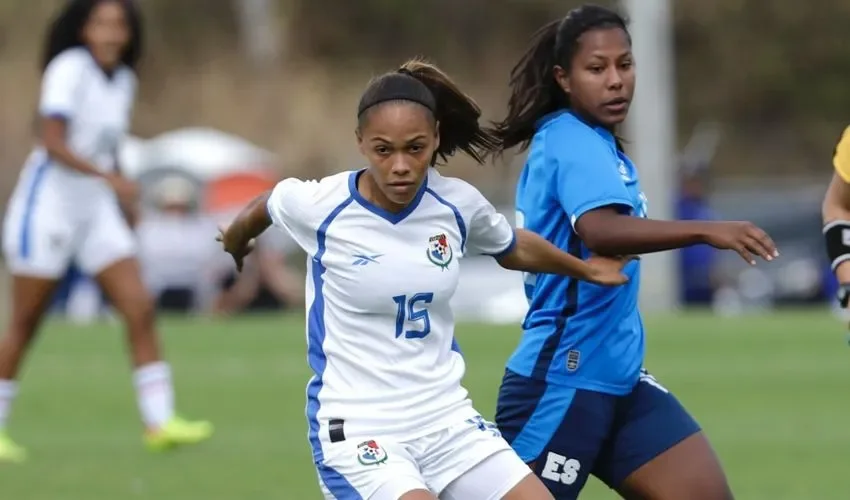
column 608, row 270
column 235, row 246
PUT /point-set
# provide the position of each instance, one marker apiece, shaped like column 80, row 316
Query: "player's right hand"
column 235, row 246
column 743, row 237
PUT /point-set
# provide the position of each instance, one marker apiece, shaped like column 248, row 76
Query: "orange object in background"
column 233, row 191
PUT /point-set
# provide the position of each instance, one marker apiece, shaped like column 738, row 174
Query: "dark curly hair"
column 65, row 30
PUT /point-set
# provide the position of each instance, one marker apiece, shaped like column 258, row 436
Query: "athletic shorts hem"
column 468, row 467
column 24, row 270
column 393, row 488
column 99, row 267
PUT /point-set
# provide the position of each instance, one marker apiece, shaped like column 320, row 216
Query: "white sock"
column 8, row 390
column 155, row 393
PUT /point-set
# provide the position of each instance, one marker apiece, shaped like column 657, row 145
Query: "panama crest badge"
column 371, row 453
column 440, row 251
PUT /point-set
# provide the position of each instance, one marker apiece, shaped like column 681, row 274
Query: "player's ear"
column 562, row 78
column 436, row 136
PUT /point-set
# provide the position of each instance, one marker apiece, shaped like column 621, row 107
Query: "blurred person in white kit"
column 67, row 206
column 175, row 248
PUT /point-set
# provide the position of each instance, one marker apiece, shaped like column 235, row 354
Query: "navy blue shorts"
column 571, row 433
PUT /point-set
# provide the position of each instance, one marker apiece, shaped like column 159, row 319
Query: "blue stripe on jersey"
column 456, row 346
column 29, row 207
column 541, row 426
column 508, row 249
column 460, row 224
column 549, row 344
column 57, row 115
column 391, row 217
column 334, row 481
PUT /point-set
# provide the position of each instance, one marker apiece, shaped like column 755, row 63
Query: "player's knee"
column 23, row 325
column 139, row 313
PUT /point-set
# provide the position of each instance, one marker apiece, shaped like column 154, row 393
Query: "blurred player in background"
column 836, row 217
column 66, row 207
column 575, row 399
column 385, row 244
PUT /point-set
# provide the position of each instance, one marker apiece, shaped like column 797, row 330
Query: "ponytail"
column 534, row 91
column 456, row 113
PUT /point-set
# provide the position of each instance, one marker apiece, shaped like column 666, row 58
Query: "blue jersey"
column 576, row 333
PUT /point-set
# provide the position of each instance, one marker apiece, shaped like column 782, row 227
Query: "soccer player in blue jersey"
column 575, row 399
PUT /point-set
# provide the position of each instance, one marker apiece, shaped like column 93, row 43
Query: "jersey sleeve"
column 841, row 157
column 289, row 208
column 490, row 233
column 585, row 177
column 59, row 86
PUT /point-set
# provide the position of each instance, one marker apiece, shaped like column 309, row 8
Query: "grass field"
column 772, row 393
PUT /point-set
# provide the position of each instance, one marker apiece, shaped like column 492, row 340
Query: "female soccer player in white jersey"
column 66, row 207
column 388, row 417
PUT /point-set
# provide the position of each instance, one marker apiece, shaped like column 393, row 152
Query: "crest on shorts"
column 440, row 251
column 371, row 453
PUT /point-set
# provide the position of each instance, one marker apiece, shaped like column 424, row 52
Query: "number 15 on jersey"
column 413, row 309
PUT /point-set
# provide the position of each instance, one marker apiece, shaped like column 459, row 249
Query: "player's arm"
column 600, row 210
column 58, row 106
column 836, row 217
column 533, row 254
column 292, row 206
column 238, row 238
column 490, row 233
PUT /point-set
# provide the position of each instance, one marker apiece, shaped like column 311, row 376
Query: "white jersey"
column 55, row 213
column 96, row 109
column 380, row 330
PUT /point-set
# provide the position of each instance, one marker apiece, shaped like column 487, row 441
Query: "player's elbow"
column 598, row 240
column 600, row 231
column 836, row 202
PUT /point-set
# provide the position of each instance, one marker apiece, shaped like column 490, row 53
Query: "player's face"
column 399, row 140
column 601, row 79
column 107, row 33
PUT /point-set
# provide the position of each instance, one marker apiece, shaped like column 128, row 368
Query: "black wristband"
column 837, row 236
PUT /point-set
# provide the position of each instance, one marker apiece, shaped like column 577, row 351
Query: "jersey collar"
column 392, row 218
column 602, row 131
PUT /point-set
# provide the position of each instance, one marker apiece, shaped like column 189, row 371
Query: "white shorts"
column 43, row 235
column 467, row 460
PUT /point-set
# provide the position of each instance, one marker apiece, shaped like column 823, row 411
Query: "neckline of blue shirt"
column 392, row 218
column 599, row 129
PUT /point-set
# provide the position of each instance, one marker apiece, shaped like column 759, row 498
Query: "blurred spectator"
column 696, row 263
column 176, row 246
column 267, row 281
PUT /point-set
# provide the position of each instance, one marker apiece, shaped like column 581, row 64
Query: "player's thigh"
column 559, row 431
column 658, row 451
column 690, row 469
column 107, row 240
column 502, row 475
column 468, row 459
column 373, row 470
column 39, row 238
